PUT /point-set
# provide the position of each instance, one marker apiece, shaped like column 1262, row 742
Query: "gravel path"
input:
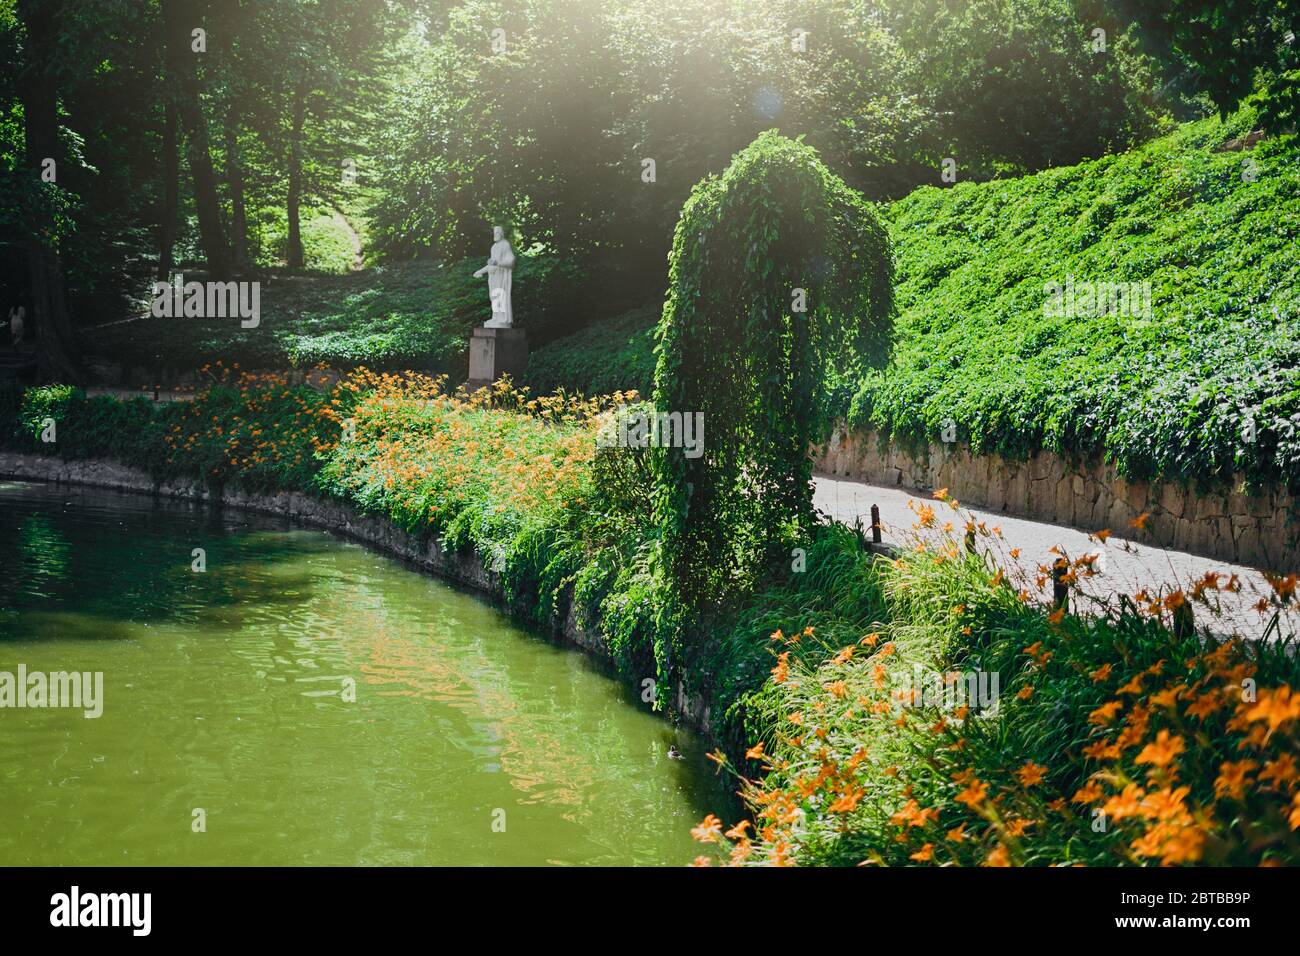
column 1126, row 565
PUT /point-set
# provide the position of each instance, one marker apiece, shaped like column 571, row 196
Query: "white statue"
column 500, row 265
column 16, row 317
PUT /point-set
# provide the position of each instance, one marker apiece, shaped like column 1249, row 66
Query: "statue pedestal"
column 494, row 353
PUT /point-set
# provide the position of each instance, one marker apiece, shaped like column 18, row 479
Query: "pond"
column 304, row 700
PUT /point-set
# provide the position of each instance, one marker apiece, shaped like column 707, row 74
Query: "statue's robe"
column 499, row 285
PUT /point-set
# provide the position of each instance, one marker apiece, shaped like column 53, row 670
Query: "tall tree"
column 38, row 90
column 171, row 188
column 180, row 19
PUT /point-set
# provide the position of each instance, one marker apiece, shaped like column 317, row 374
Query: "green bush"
column 779, row 271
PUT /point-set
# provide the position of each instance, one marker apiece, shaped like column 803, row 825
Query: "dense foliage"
column 778, row 271
column 1109, row 739
column 551, row 128
column 1204, row 388
column 616, row 355
column 1205, row 385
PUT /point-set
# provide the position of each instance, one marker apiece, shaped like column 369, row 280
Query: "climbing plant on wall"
column 780, row 276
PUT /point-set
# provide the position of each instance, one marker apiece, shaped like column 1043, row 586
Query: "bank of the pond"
column 463, row 567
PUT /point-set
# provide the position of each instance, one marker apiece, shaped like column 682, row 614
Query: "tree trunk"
column 235, row 181
column 179, row 18
column 294, row 255
column 56, row 342
column 171, row 189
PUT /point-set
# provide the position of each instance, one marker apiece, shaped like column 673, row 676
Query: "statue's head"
column 498, row 233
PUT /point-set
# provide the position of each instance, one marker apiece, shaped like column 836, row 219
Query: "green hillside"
column 1205, row 384
column 1172, row 393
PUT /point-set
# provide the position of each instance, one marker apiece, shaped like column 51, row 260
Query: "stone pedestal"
column 494, row 353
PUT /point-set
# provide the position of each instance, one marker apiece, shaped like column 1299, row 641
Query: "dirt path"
column 358, row 256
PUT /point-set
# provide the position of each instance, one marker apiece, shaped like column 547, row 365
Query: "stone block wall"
column 1259, row 529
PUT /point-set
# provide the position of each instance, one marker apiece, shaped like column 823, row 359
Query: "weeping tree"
column 780, row 281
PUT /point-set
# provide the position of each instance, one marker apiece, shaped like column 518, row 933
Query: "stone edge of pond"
column 465, row 568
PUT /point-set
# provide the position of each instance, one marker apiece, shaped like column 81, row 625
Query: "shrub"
column 778, row 270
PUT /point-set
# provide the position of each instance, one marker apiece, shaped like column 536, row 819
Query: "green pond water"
column 226, row 691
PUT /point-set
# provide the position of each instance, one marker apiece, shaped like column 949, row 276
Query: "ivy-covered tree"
column 779, row 273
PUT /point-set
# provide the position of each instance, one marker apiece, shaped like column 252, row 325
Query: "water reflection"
column 225, row 691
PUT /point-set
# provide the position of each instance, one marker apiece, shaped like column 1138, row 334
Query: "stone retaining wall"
column 1261, row 530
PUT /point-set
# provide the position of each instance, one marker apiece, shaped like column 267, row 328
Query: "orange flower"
column 1105, row 713
column 1280, row 772
column 781, row 672
column 738, row 831
column 755, row 752
column 1162, row 752
column 998, row 857
column 1102, row 750
column 1275, row 706
column 1090, row 792
column 847, row 801
column 709, row 830
column 1232, row 778
column 973, row 795
column 923, row 855
column 1031, row 774
column 1126, row 804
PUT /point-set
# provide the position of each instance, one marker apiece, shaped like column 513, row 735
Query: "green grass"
column 416, row 315
column 612, row 356
column 326, row 242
